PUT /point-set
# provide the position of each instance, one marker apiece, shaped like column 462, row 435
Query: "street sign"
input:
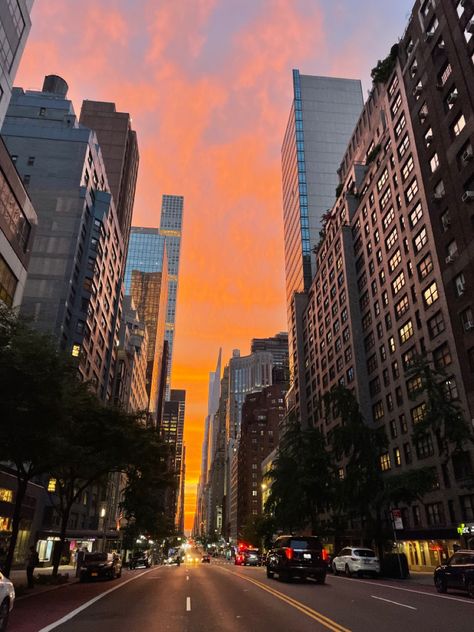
column 397, row 519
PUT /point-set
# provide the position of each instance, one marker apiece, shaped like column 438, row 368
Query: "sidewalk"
column 18, row 578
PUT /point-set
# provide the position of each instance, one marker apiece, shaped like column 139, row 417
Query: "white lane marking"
column 410, row 590
column 188, row 604
column 73, row 613
column 394, row 602
column 187, row 578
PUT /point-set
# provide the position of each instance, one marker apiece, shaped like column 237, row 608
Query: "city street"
column 224, row 598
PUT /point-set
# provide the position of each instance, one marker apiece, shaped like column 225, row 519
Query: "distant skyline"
column 209, row 85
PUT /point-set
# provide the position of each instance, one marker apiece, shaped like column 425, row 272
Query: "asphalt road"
column 225, row 598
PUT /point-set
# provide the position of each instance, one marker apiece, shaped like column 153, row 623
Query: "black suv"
column 457, row 573
column 294, row 556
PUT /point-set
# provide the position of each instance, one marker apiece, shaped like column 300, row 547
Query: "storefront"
column 76, row 541
column 425, row 550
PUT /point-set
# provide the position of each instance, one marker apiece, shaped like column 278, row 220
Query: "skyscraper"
column 74, row 285
column 322, row 117
column 171, row 225
column 146, row 280
column 118, row 143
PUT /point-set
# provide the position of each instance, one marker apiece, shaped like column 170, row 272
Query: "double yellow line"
column 309, row 612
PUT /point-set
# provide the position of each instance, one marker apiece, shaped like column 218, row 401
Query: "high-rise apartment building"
column 119, row 147
column 262, row 415
column 171, row 225
column 323, row 115
column 146, row 280
column 74, row 285
column 17, row 216
column 172, row 432
column 395, row 268
column 277, row 345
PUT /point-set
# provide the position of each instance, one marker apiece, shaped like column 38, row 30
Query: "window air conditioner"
column 438, row 195
column 417, row 90
column 446, row 221
column 429, row 139
column 452, row 96
column 460, row 287
column 410, row 47
column 428, row 35
column 470, row 26
column 441, row 45
column 468, row 196
column 451, row 258
column 413, row 70
column 468, row 325
column 467, row 155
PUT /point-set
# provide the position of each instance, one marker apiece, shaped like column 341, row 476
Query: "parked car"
column 295, row 556
column 205, row 559
column 7, row 598
column 356, row 560
column 140, row 559
column 457, row 573
column 100, row 566
column 251, row 557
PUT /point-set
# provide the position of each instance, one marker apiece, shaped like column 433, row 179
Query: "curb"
column 46, row 590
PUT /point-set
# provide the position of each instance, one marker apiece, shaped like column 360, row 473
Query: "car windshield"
column 364, row 553
column 96, row 557
column 305, row 543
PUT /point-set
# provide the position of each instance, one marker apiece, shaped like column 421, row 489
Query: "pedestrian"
column 31, row 563
column 79, row 560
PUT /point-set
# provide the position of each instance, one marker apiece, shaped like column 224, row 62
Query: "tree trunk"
column 62, row 539
column 22, row 484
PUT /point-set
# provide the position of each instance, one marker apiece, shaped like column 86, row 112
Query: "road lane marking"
column 73, row 613
column 394, row 602
column 313, row 614
column 187, row 578
column 188, row 604
column 410, row 590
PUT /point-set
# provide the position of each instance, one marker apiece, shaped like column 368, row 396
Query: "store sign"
column 466, row 529
column 397, row 519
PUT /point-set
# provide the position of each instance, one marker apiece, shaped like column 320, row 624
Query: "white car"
column 356, row 560
column 7, row 597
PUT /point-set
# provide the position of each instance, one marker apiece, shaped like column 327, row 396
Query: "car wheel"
column 440, row 584
column 347, row 571
column 120, row 572
column 334, row 569
column 321, row 579
column 4, row 614
column 269, row 573
column 470, row 589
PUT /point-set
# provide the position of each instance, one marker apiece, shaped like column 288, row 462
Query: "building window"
column 418, row 413
column 385, row 462
column 402, row 306
column 8, row 283
column 424, row 447
column 398, row 283
column 416, row 215
column 435, row 514
column 434, row 162
column 450, row 389
column 436, row 325
column 406, row 332
column 407, row 168
column 397, row 459
column 459, row 125
column 411, row 191
column 377, row 411
column 430, row 295
column 420, row 240
column 407, row 453
column 403, row 147
column 425, row 267
column 460, row 284
column 395, row 260
column 391, row 239
column 442, row 356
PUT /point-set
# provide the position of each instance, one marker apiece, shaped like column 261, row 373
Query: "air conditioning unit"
column 446, row 221
column 467, row 155
column 451, row 258
column 468, row 196
column 470, row 26
column 441, row 45
column 438, row 195
column 452, row 96
column 417, row 90
column 429, row 139
column 410, row 47
column 413, row 70
column 468, row 325
column 428, row 35
column 460, row 288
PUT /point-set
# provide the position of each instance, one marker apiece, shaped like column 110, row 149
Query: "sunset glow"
column 208, row 84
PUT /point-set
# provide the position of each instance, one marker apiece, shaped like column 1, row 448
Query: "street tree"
column 301, row 479
column 34, row 383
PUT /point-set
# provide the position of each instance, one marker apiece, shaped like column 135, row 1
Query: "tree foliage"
column 382, row 71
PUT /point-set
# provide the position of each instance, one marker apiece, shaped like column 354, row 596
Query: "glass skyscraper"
column 157, row 250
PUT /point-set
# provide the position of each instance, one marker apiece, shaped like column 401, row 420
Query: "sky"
column 208, row 84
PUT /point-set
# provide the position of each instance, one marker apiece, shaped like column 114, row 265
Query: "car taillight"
column 289, row 553
column 324, row 555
